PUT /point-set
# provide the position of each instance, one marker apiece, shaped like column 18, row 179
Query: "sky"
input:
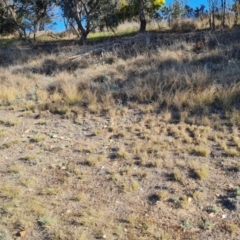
column 192, row 3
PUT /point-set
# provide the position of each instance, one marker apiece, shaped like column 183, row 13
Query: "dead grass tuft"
column 201, row 171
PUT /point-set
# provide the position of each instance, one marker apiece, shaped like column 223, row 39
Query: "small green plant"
column 206, row 225
column 47, row 221
column 186, row 225
column 214, row 209
column 237, row 191
column 4, row 234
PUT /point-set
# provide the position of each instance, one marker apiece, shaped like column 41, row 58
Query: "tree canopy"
column 85, row 16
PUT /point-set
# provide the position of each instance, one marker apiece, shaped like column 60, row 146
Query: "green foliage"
column 23, row 15
column 7, row 23
column 128, row 9
column 89, row 15
column 157, row 4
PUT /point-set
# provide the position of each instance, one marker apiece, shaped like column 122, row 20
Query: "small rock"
column 224, row 216
column 22, row 233
column 211, row 214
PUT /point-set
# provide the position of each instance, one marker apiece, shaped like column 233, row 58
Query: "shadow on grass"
column 230, row 201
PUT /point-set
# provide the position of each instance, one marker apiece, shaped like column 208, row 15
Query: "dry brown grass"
column 90, row 148
column 171, row 78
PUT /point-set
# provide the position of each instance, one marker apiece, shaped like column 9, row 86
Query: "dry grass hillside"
column 132, row 138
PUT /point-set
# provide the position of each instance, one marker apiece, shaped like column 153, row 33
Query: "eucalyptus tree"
column 9, row 19
column 35, row 14
column 236, row 9
column 88, row 15
column 128, row 9
column 25, row 15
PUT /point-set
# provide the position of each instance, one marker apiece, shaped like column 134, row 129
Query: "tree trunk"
column 83, row 39
column 213, row 19
column 223, row 12
column 236, row 12
column 210, row 21
column 143, row 22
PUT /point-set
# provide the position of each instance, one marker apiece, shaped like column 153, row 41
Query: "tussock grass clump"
column 37, row 138
column 197, row 195
column 122, row 153
column 9, row 144
column 8, row 94
column 8, row 123
column 177, row 175
column 80, row 197
column 200, row 171
column 30, row 157
column 51, row 191
column 92, row 161
column 163, row 195
column 48, row 222
column 202, row 151
column 232, row 228
column 232, row 152
column 2, row 133
column 184, row 201
column 130, row 186
column 9, row 191
column 16, row 169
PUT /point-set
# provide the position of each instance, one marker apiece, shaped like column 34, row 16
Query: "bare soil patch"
column 132, row 176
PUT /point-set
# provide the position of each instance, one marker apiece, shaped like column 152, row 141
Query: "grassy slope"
column 137, row 143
